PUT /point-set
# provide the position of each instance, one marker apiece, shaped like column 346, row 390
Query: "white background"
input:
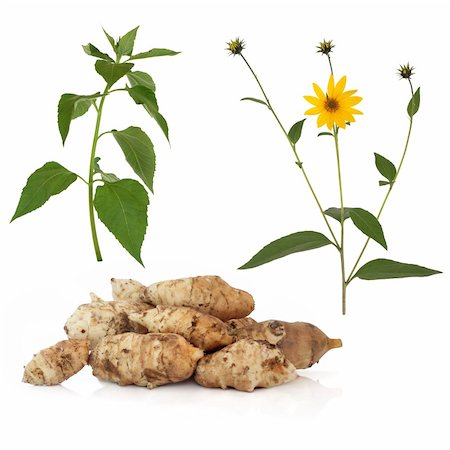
column 226, row 187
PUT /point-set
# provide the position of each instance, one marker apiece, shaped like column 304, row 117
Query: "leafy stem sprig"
column 121, row 204
column 335, row 109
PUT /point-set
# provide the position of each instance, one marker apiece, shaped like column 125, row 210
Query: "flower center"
column 331, row 104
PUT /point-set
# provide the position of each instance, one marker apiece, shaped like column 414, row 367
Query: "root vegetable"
column 245, row 365
column 305, row 344
column 149, row 360
column 56, row 364
column 202, row 330
column 208, row 294
column 126, row 289
column 271, row 331
column 99, row 318
column 236, row 324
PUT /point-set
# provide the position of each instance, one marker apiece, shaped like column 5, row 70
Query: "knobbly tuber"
column 149, row 360
column 305, row 344
column 202, row 330
column 56, row 364
column 234, row 325
column 99, row 318
column 271, row 331
column 245, row 365
column 126, row 289
column 208, row 294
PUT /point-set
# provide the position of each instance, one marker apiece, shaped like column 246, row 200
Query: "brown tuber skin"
column 127, row 290
column 56, row 364
column 202, row 330
column 208, row 294
column 149, row 360
column 98, row 319
column 305, row 344
column 245, row 365
column 271, row 331
column 234, row 325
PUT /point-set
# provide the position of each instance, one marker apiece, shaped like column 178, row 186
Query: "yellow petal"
column 330, row 122
column 349, row 93
column 351, row 101
column 340, row 86
column 318, row 91
column 313, row 111
column 313, row 100
column 321, row 120
column 354, row 111
column 340, row 122
column 330, row 88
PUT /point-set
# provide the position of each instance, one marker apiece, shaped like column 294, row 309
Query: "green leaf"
column 122, row 207
column 108, row 177
column 138, row 78
column 96, row 53
column 67, row 110
column 368, row 224
column 414, row 103
column 138, row 150
column 335, row 213
column 325, row 133
column 112, row 72
column 293, row 243
column 256, row 100
column 146, row 97
column 111, row 41
column 126, row 43
column 383, row 183
column 385, row 167
column 154, row 52
column 381, row 269
column 50, row 179
column 296, row 131
column 82, row 106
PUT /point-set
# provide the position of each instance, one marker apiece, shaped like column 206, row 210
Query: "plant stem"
column 341, row 248
column 292, row 145
column 329, row 60
column 91, row 176
column 386, row 197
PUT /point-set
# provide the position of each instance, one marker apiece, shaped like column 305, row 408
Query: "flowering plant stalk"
column 121, row 204
column 335, row 109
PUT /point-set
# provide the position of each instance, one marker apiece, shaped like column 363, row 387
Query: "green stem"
column 329, row 60
column 91, row 176
column 299, row 163
column 386, row 197
column 341, row 248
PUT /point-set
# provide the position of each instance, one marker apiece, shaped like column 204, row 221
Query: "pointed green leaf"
column 112, row 72
column 81, row 107
column 50, row 179
column 325, row 133
column 109, row 177
column 126, row 43
column 67, row 110
column 122, row 207
column 111, row 41
column 138, row 78
column 385, row 167
column 368, row 224
column 154, row 52
column 383, row 183
column 335, row 213
column 138, row 150
column 92, row 50
column 293, row 243
column 256, row 100
column 414, row 103
column 146, row 97
column 381, row 269
column 296, row 131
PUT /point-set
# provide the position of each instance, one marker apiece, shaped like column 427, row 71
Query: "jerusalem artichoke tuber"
column 126, row 289
column 56, row 364
column 149, row 360
column 100, row 318
column 208, row 294
column 202, row 330
column 244, row 365
column 305, row 344
column 234, row 325
column 271, row 331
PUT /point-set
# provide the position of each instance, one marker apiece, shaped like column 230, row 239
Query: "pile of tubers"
column 171, row 330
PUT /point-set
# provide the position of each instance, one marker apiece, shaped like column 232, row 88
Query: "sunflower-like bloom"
column 236, row 46
column 334, row 107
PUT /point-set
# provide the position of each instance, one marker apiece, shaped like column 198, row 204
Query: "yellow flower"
column 334, row 107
